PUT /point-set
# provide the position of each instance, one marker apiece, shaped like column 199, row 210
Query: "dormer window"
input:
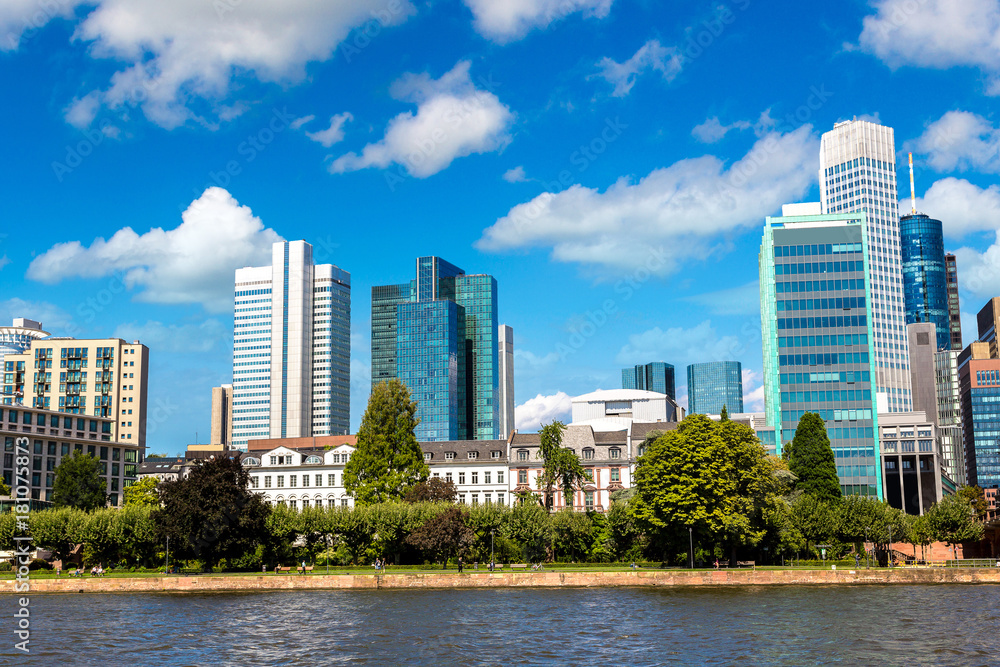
column 427, row 456
column 495, row 454
column 251, row 461
column 473, row 455
column 522, row 455
column 336, row 458
column 615, row 453
column 313, row 460
column 588, row 454
column 274, row 460
column 449, row 456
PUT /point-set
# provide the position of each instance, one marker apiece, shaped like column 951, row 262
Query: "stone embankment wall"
column 651, row 578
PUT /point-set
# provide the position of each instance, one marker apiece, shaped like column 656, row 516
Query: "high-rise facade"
column 505, row 336
column 816, row 319
column 714, row 384
column 222, row 416
column 439, row 335
column 858, row 174
column 17, row 338
column 657, row 376
column 925, row 280
column 949, row 401
column 979, row 386
column 954, row 310
column 104, row 377
column 291, row 348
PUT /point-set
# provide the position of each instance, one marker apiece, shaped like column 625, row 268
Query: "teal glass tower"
column 438, row 335
column 925, row 278
column 657, row 376
column 815, row 300
column 714, row 384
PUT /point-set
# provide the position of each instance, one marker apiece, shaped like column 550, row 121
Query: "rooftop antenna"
column 913, row 190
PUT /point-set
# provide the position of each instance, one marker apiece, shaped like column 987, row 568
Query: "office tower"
column 954, row 311
column 505, row 336
column 291, row 348
column 921, row 339
column 438, row 335
column 714, row 384
column 988, row 321
column 925, row 284
column 858, row 174
column 817, row 336
column 222, row 415
column 949, row 399
column 17, row 338
column 103, row 377
column 979, row 386
column 657, row 376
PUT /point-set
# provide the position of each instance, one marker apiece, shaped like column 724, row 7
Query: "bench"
column 519, row 566
column 746, row 563
column 308, row 568
column 282, row 569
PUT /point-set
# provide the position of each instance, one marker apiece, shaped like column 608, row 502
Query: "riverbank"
column 650, row 578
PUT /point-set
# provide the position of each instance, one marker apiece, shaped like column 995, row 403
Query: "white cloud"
column 961, row 206
column 742, row 300
column 680, row 346
column 753, row 391
column 979, row 272
column 651, row 55
column 19, row 19
column 192, row 263
column 299, row 122
column 533, row 413
column 509, row 20
column 181, row 58
column 515, row 175
column 961, row 140
column 334, row 133
column 712, row 130
column 936, row 34
column 82, row 111
column 4, row 261
column 453, row 119
column 207, row 336
column 53, row 318
column 682, row 209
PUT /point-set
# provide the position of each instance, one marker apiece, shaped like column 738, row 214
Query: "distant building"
column 979, row 385
column 222, row 415
column 17, row 338
column 714, row 384
column 165, row 469
column 922, row 343
column 506, row 358
column 925, row 277
column 911, row 466
column 949, row 421
column 657, row 376
column 954, row 309
column 478, row 468
column 617, row 408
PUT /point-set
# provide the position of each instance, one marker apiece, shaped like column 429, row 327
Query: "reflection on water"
column 911, row 625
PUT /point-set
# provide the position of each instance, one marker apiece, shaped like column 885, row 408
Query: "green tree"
column 572, row 536
column 388, row 459
column 810, row 458
column 976, row 499
column 920, row 534
column 864, row 516
column 814, row 520
column 433, row 490
column 954, row 521
column 530, row 528
column 4, row 489
column 212, row 514
column 143, row 493
column 444, row 535
column 560, row 467
column 354, row 528
column 724, row 416
column 79, row 483
column 623, row 537
column 59, row 529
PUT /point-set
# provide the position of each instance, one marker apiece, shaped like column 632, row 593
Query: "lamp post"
column 691, row 544
column 166, row 558
column 491, row 549
column 890, row 546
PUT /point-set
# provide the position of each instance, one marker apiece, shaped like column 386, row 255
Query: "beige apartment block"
column 222, row 415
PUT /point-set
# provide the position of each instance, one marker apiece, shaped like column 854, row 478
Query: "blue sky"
column 609, row 161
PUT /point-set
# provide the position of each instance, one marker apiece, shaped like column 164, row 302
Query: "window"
column 495, row 454
column 488, row 498
column 473, row 456
column 500, row 477
column 522, row 476
column 589, row 500
column 313, row 460
column 486, row 477
column 274, row 460
column 343, row 502
column 254, row 481
column 615, row 475
column 293, row 480
column 461, row 499
column 615, row 453
column 522, row 455
column 305, row 503
column 588, row 454
column 475, row 498
column 475, row 478
column 331, row 479
column 461, row 478
column 305, row 481
column 499, row 499
column 427, row 456
column 319, row 479
column 281, row 481
column 336, row 458
column 449, row 456
column 292, row 504
column 267, row 481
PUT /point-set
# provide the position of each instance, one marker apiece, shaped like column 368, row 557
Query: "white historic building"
column 301, row 478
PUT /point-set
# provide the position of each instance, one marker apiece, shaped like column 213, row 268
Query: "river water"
column 864, row 625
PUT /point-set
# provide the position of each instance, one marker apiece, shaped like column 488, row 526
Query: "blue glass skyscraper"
column 925, row 277
column 657, row 376
column 714, row 384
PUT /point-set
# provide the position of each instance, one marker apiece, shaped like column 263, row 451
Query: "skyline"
column 644, row 150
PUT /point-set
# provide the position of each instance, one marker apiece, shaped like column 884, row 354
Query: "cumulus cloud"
column 299, row 122
column 960, row 141
column 192, row 263
column 650, row 56
column 54, row 319
column 979, row 271
column 681, row 346
column 936, row 34
column 512, row 19
column 208, row 336
column 682, row 209
column 181, row 58
column 515, row 175
column 530, row 415
column 753, row 390
column 453, row 119
column 334, row 133
column 82, row 111
column 961, row 206
column 712, row 130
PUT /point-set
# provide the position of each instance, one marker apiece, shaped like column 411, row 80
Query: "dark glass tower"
column 714, row 384
column 925, row 277
column 657, row 376
column 954, row 310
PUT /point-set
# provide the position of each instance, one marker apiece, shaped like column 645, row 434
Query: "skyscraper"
column 858, row 174
column 657, row 376
column 438, row 335
column 714, row 384
column 222, row 415
column 949, row 400
column 954, row 310
column 816, row 322
column 506, row 357
column 925, row 283
column 291, row 348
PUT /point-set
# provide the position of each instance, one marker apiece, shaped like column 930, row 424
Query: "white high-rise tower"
column 291, row 348
column 857, row 173
column 505, row 337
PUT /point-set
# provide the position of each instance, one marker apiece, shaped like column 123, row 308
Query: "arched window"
column 313, row 460
column 249, row 461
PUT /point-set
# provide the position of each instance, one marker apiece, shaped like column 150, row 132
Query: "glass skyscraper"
column 714, row 384
column 925, row 280
column 816, row 320
column 291, row 348
column 657, row 376
column 858, row 174
column 954, row 310
column 420, row 329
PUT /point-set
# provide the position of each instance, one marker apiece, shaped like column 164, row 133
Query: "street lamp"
column 691, row 542
column 491, row 550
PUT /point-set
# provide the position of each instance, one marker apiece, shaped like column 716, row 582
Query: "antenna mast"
column 913, row 190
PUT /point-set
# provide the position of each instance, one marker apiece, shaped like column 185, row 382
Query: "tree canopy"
column 443, row 535
column 954, row 520
column 560, row 467
column 433, row 490
column 79, row 483
column 810, row 458
column 388, row 460
column 143, row 493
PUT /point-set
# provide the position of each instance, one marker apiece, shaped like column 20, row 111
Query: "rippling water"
column 869, row 625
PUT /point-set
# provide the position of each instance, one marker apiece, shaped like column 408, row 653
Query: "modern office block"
column 925, row 279
column 949, row 421
column 222, row 415
column 17, row 338
column 816, row 321
column 714, row 384
column 105, row 377
column 292, row 348
column 922, row 344
column 858, row 174
column 505, row 355
column 979, row 386
column 954, row 310
column 657, row 376
column 418, row 357
column 911, row 468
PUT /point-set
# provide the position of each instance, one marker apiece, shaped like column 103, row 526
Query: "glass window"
column 522, row 476
column 500, row 477
column 461, row 478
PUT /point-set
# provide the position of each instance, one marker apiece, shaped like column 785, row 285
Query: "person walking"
column 459, row 564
